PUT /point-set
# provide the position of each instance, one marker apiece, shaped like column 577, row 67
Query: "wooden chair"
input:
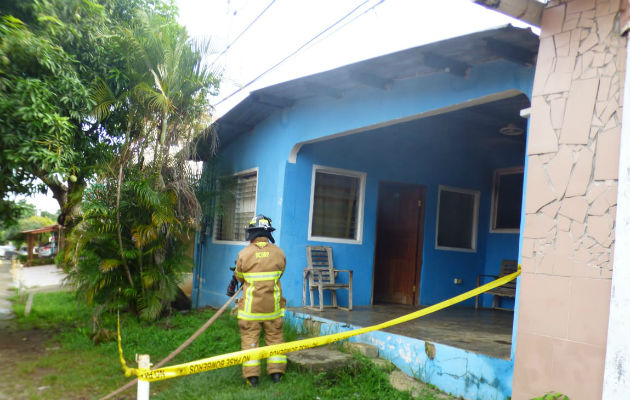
column 508, row 290
column 320, row 275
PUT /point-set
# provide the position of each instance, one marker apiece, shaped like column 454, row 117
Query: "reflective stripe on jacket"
column 260, row 266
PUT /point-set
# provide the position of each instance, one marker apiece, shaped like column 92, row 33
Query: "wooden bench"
column 320, row 275
column 508, row 290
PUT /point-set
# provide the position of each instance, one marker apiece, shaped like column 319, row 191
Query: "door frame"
column 419, row 244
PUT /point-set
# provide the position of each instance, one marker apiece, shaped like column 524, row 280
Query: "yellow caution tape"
column 128, row 371
column 239, row 357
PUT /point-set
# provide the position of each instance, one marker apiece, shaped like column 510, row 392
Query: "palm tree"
column 135, row 232
column 178, row 86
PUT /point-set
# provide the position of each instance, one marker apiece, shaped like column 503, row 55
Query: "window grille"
column 238, row 208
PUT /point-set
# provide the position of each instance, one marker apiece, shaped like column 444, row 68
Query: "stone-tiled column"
column 571, row 194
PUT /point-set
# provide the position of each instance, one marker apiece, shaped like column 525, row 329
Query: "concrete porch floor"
column 481, row 331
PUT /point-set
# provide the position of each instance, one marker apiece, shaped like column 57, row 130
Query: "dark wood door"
column 399, row 236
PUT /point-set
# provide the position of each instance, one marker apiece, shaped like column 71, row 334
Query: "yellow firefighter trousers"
column 250, row 337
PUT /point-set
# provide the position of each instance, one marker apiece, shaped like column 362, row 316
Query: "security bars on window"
column 239, row 207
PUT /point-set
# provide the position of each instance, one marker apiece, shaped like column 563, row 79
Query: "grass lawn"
column 52, row 356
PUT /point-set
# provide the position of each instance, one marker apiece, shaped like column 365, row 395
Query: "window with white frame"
column 237, row 206
column 458, row 211
column 507, row 196
column 336, row 212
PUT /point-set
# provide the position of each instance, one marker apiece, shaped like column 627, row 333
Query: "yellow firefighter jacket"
column 259, row 266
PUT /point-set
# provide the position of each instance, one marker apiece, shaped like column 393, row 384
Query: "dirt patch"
column 16, row 349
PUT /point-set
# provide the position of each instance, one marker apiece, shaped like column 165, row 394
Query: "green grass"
column 75, row 367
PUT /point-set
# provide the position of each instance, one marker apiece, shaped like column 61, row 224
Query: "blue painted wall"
column 455, row 371
column 431, row 156
column 281, row 185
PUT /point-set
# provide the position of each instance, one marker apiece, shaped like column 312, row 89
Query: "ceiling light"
column 511, row 130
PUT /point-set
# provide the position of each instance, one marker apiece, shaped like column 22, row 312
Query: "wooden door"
column 399, row 236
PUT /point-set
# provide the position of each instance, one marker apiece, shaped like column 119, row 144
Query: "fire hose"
column 180, row 348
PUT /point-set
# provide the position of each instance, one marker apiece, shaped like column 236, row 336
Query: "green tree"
column 100, row 100
column 26, row 209
column 129, row 246
column 47, row 61
column 150, row 227
column 52, row 216
column 52, row 55
column 11, row 226
column 34, row 222
column 163, row 105
column 27, row 223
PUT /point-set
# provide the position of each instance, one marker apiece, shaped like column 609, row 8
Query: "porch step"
column 328, row 358
column 383, row 364
column 403, row 382
column 320, row 359
column 367, row 350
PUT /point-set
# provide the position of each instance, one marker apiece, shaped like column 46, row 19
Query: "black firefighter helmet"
column 259, row 226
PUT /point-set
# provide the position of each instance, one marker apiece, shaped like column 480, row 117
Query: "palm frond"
column 109, row 264
column 104, row 99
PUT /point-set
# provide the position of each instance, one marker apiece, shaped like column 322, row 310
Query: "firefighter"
column 259, row 267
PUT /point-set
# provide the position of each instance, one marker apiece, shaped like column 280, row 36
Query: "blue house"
column 409, row 165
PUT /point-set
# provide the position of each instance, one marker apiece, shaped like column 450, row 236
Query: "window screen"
column 457, row 219
column 335, row 205
column 238, row 207
column 507, row 196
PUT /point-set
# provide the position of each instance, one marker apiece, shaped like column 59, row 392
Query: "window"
column 336, row 213
column 507, row 196
column 237, row 206
column 457, row 219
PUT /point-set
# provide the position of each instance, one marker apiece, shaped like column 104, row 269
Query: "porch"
column 482, row 331
column 448, row 349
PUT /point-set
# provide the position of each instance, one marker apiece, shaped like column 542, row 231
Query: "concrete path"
column 42, row 277
column 30, row 280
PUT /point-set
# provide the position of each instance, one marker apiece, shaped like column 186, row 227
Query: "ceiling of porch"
column 482, row 123
column 477, row 127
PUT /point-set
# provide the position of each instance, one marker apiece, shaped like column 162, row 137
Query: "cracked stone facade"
column 571, row 197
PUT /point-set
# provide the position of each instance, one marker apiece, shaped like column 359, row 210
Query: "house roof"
column 49, row 228
column 456, row 56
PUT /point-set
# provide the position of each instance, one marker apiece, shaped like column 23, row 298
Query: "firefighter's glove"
column 232, row 287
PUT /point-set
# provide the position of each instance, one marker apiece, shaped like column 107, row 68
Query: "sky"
column 376, row 27
column 368, row 28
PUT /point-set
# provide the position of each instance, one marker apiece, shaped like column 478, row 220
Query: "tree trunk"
column 118, row 229
column 122, row 162
column 158, row 169
column 69, row 199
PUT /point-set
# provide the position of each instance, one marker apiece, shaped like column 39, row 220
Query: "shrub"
column 144, row 275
